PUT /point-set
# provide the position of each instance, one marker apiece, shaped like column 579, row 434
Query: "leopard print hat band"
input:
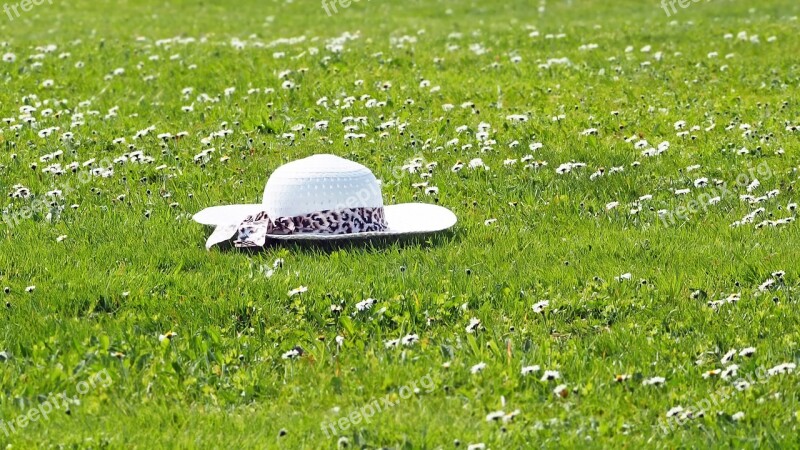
column 321, row 197
column 253, row 230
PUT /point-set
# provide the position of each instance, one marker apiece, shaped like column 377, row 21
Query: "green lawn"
column 127, row 265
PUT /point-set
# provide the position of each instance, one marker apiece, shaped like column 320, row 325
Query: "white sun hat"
column 322, row 197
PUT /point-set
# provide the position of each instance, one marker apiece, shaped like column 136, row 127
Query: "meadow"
column 624, row 272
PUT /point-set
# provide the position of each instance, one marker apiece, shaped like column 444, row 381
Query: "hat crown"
column 320, row 183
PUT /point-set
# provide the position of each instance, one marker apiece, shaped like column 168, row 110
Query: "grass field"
column 610, row 155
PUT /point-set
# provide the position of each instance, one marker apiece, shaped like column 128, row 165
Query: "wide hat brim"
column 402, row 219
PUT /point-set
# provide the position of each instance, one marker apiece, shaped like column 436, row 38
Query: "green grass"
column 222, row 381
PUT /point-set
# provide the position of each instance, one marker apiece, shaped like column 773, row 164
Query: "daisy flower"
column 747, row 352
column 477, row 163
column 494, row 416
column 474, row 325
column 526, row 370
column 169, row 335
column 623, row 277
column 409, row 339
column 728, row 357
column 539, row 307
column 293, row 353
column 654, row 381
column 550, row 375
column 298, row 290
column 477, row 367
column 517, row 118
column 366, row 304
column 767, row 285
column 730, row 372
column 782, row 368
column 674, row 411
column 510, row 416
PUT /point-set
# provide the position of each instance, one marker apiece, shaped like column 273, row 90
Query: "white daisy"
column 654, row 381
column 474, row 325
column 298, row 290
column 730, row 372
column 782, row 368
column 409, row 339
column 477, row 367
column 747, row 352
column 366, row 304
column 541, row 306
column 292, row 354
column 494, row 416
column 550, row 375
column 526, row 370
column 169, row 335
column 675, row 411
column 728, row 357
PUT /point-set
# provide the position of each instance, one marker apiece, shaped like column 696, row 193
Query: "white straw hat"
column 322, row 197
